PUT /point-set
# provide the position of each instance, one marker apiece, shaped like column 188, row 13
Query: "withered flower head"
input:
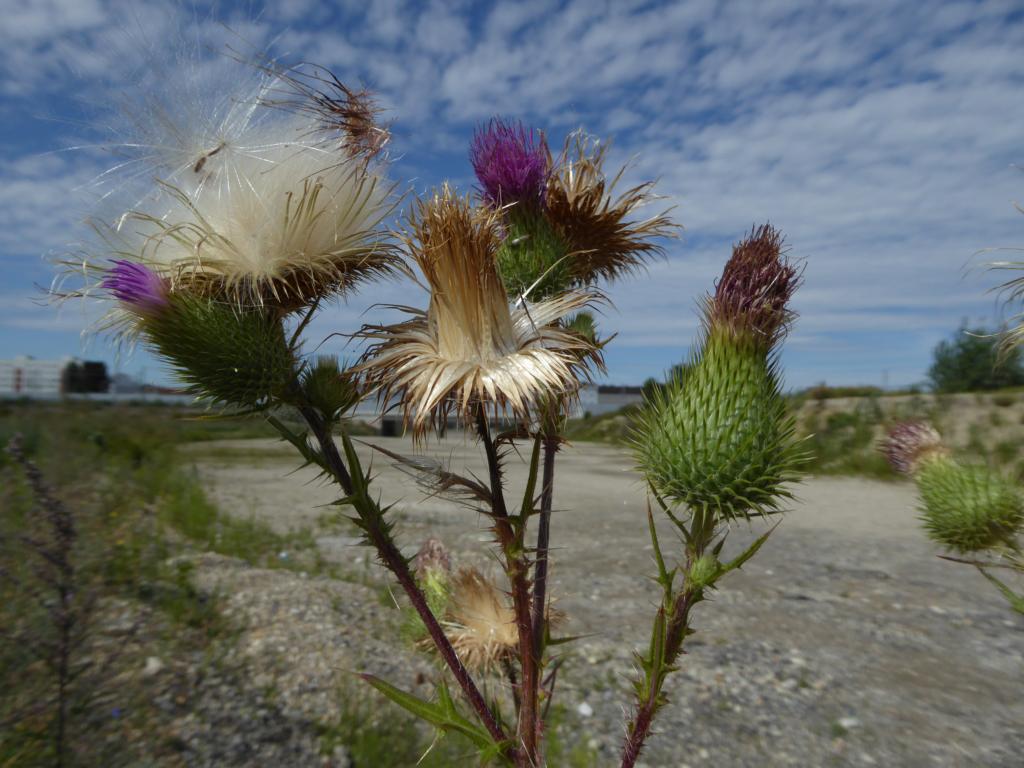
column 471, row 346
column 336, row 108
column 601, row 237
column 285, row 231
column 481, row 624
column 909, row 444
column 756, row 286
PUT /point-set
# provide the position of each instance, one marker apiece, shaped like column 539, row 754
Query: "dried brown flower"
column 602, row 240
column 471, row 346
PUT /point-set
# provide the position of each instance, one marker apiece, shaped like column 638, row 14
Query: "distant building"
column 26, row 376
column 605, row 398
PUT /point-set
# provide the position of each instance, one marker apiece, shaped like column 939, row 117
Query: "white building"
column 25, row 376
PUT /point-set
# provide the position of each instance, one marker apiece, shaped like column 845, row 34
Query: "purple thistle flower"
column 511, row 163
column 757, row 284
column 142, row 289
column 908, row 443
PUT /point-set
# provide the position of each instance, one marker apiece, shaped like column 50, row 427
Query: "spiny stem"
column 640, row 726
column 540, row 570
column 516, row 566
column 669, row 632
column 393, row 560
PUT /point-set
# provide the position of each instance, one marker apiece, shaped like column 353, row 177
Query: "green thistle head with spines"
column 532, row 258
column 232, row 356
column 964, row 507
column 329, row 387
column 967, row 508
column 719, row 438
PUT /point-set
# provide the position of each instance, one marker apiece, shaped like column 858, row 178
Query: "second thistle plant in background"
column 971, row 510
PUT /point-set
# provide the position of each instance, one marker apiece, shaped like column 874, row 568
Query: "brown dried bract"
column 471, row 346
column 602, row 239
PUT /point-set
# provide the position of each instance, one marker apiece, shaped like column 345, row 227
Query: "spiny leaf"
column 1016, row 601
column 442, row 714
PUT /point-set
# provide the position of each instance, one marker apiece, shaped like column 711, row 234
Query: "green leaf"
column 443, row 714
column 748, row 553
column 1016, row 601
column 531, row 481
column 664, row 577
column 308, row 452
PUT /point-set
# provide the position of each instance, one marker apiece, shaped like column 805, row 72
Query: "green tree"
column 971, row 361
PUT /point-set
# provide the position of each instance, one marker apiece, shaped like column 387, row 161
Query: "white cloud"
column 879, row 136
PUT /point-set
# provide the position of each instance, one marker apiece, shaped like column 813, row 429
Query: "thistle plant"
column 971, row 510
column 261, row 216
column 716, row 446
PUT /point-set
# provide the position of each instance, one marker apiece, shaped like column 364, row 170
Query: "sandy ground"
column 844, row 642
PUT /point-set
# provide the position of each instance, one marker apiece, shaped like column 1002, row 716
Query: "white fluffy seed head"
column 286, row 226
column 225, row 192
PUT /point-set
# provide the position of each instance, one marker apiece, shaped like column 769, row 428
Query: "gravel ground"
column 845, row 642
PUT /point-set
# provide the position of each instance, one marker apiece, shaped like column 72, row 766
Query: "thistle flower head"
column 252, row 204
column 471, row 346
column 968, row 508
column 432, row 557
column 601, row 236
column 756, row 286
column 141, row 289
column 718, row 438
column 909, row 444
column 336, row 109
column 481, row 624
column 511, row 163
column 296, row 225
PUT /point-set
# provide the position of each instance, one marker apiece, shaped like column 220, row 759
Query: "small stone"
column 849, row 723
column 585, row 709
column 153, row 666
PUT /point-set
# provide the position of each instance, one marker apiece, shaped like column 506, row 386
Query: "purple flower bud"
column 432, row 557
column 511, row 163
column 142, row 289
column 757, row 284
column 908, row 444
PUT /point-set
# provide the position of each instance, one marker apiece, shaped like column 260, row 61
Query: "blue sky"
column 881, row 137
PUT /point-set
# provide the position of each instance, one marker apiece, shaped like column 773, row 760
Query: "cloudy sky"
column 882, row 137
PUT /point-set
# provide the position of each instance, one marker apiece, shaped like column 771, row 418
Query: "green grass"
column 136, row 507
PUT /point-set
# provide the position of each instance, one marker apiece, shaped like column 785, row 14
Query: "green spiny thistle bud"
column 531, row 259
column 703, row 572
column 968, row 507
column 584, row 324
column 433, row 570
column 329, row 389
column 719, row 438
column 233, row 356
column 963, row 507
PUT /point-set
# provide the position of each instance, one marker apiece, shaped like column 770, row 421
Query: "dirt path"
column 845, row 642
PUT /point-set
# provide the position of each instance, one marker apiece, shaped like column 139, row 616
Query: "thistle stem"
column 393, row 560
column 540, row 569
column 639, row 727
column 511, row 540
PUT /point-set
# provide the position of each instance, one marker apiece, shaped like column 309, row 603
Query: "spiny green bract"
column 968, row 507
column 329, row 389
column 718, row 438
column 532, row 251
column 703, row 572
column 240, row 357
